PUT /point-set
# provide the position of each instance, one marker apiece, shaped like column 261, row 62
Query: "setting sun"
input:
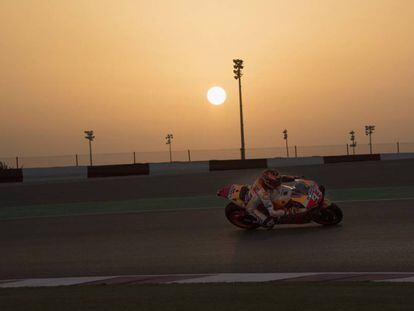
column 216, row 95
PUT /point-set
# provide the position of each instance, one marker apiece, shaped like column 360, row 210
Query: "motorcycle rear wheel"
column 329, row 216
column 240, row 218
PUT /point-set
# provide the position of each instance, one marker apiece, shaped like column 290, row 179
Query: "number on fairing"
column 314, row 194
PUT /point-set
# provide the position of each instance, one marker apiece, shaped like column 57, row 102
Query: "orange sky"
column 135, row 70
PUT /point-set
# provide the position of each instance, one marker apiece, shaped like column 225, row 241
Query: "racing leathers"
column 260, row 194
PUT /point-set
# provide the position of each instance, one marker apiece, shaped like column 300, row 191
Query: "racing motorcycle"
column 304, row 201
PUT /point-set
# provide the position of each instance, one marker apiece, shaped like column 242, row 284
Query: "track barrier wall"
column 285, row 162
column 118, row 170
column 351, row 158
column 178, row 168
column 11, row 175
column 84, row 172
column 55, row 173
column 222, row 165
column 396, row 156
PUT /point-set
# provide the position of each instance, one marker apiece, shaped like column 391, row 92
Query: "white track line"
column 244, row 277
column 197, row 279
column 51, row 281
column 409, row 279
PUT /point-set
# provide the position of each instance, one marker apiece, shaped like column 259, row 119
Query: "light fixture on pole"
column 90, row 137
column 285, row 137
column 238, row 66
column 369, row 129
column 169, row 139
column 353, row 142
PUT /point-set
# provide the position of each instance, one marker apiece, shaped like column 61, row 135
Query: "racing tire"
column 329, row 216
column 240, row 218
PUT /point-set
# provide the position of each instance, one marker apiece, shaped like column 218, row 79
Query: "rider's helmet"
column 271, row 178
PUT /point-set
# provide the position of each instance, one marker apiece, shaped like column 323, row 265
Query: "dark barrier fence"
column 118, row 170
column 221, row 165
column 11, row 175
column 352, row 158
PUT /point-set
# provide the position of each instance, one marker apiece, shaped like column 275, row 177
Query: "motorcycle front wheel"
column 329, row 216
column 239, row 217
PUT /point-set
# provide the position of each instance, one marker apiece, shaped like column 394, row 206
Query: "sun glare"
column 216, row 95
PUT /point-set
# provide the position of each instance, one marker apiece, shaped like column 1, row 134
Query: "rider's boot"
column 277, row 214
column 268, row 223
column 261, row 218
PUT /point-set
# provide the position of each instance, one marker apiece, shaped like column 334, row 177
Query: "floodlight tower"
column 169, row 139
column 285, row 137
column 353, row 142
column 369, row 129
column 90, row 137
column 238, row 66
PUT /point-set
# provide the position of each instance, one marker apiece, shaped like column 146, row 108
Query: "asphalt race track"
column 374, row 236
column 343, row 175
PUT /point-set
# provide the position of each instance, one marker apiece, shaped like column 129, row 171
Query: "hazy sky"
column 136, row 70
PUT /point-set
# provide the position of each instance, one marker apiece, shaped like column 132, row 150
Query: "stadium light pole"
column 90, row 137
column 169, row 139
column 369, row 129
column 353, row 142
column 238, row 66
column 285, row 137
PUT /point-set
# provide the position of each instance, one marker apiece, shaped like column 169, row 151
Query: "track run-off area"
column 176, row 225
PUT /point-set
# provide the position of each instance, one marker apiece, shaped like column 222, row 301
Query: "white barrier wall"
column 284, row 162
column 396, row 156
column 178, row 168
column 55, row 173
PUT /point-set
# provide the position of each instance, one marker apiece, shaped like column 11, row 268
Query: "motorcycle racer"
column 265, row 190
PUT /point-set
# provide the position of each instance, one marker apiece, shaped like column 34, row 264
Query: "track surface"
column 342, row 175
column 375, row 236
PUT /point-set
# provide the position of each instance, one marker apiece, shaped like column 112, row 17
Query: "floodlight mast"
column 353, row 142
column 238, row 66
column 90, row 137
column 285, row 137
column 369, row 130
column 169, row 139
